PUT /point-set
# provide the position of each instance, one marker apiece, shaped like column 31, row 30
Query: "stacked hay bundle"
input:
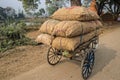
column 70, row 27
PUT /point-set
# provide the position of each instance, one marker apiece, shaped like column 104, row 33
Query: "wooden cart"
column 83, row 53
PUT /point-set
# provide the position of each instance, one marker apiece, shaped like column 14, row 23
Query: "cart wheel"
column 87, row 64
column 53, row 56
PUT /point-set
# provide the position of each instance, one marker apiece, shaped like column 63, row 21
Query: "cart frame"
column 84, row 53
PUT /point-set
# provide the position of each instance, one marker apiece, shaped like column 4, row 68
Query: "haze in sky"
column 17, row 5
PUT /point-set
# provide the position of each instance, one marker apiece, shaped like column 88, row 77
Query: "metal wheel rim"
column 88, row 65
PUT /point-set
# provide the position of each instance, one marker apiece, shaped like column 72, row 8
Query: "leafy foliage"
column 53, row 5
column 2, row 14
column 8, row 16
column 75, row 2
column 13, row 35
column 30, row 5
column 39, row 13
column 86, row 3
column 12, row 32
column 20, row 15
column 51, row 9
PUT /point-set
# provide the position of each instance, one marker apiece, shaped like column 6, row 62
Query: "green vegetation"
column 12, row 29
column 13, row 35
column 51, row 8
column 13, row 25
column 30, row 6
column 53, row 5
column 39, row 13
column 9, row 14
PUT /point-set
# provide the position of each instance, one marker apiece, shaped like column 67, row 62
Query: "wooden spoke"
column 53, row 56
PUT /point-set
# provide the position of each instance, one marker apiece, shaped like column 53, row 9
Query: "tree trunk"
column 101, row 6
column 75, row 2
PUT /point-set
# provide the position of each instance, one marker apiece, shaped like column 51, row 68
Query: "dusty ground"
column 20, row 60
column 30, row 61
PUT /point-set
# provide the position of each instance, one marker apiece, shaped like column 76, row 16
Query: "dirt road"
column 107, row 64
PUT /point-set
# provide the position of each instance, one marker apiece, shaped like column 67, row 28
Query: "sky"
column 17, row 5
column 11, row 3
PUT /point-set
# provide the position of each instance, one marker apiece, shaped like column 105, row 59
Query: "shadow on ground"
column 103, row 57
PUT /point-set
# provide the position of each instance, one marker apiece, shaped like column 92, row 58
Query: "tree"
column 10, row 12
column 21, row 15
column 30, row 5
column 86, row 3
column 7, row 15
column 39, row 13
column 7, row 12
column 3, row 15
column 53, row 5
column 75, row 2
column 111, row 6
